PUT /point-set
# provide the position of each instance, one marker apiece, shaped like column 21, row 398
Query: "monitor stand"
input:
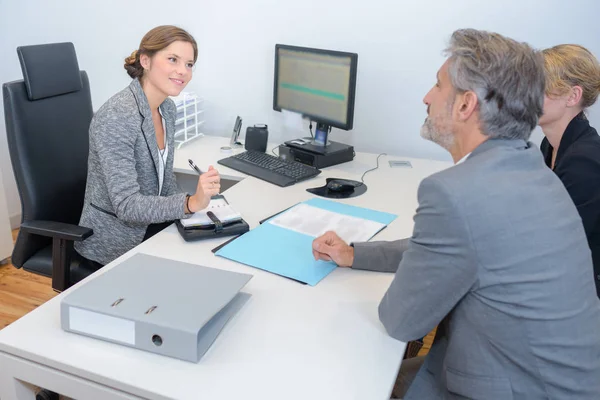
column 312, row 147
column 321, row 134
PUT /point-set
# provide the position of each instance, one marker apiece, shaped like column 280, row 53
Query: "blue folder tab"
column 288, row 253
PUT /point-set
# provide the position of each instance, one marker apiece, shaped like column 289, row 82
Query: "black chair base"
column 46, row 395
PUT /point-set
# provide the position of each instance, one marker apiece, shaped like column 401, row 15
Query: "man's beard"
column 439, row 129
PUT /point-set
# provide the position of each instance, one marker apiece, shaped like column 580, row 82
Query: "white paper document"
column 314, row 221
column 222, row 210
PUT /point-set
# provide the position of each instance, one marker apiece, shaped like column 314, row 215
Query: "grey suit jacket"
column 121, row 197
column 499, row 259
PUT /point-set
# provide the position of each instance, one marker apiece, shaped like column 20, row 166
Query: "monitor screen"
column 319, row 84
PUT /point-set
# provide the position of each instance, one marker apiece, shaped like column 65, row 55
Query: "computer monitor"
column 319, row 84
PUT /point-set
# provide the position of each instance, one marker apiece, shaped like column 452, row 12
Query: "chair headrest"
column 49, row 69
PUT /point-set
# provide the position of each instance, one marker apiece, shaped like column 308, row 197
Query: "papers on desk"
column 283, row 245
column 219, row 207
column 314, row 221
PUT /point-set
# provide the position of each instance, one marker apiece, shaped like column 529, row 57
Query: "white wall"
column 399, row 44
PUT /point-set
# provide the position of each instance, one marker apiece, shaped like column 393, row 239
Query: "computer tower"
column 317, row 156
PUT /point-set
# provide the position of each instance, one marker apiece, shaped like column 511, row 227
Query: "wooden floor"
column 21, row 292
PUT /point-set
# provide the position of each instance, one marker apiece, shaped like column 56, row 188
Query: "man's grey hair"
column 507, row 77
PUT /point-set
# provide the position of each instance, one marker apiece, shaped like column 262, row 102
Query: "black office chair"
column 47, row 119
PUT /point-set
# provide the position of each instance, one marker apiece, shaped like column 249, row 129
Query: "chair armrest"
column 63, row 235
column 57, row 230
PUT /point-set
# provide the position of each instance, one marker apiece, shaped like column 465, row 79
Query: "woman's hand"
column 209, row 184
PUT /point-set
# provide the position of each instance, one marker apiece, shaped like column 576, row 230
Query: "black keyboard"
column 270, row 168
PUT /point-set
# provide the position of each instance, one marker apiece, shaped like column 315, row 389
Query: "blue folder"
column 288, row 253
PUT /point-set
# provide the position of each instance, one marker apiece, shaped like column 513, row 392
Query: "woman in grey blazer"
column 131, row 186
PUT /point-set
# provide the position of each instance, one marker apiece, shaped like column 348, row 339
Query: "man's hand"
column 330, row 247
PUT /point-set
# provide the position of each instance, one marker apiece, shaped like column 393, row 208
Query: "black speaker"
column 257, row 137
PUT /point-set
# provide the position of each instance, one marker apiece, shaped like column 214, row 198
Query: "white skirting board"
column 6, row 243
column 15, row 221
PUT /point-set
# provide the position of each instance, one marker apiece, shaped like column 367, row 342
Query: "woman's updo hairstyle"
column 154, row 41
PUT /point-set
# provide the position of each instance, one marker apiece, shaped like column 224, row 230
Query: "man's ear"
column 467, row 104
column 575, row 96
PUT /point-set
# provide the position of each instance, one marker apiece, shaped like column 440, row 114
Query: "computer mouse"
column 342, row 185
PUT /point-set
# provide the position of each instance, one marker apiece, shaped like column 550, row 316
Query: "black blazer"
column 577, row 165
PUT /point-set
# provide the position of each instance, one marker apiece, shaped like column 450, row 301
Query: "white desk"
column 290, row 341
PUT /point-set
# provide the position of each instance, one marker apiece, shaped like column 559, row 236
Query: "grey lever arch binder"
column 155, row 304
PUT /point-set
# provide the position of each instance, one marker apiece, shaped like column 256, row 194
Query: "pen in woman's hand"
column 194, row 167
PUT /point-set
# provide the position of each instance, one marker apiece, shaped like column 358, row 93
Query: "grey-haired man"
column 498, row 256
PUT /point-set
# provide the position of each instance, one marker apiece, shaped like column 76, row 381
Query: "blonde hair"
column 569, row 65
column 154, row 41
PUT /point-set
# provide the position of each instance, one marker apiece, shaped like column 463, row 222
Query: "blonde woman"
column 571, row 147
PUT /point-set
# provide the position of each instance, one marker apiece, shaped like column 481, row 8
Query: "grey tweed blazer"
column 122, row 196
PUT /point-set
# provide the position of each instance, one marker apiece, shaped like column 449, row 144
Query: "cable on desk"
column 273, row 151
column 362, row 178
